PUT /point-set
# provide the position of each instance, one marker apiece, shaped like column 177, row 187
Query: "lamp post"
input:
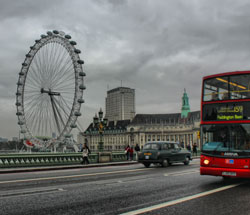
column 132, row 137
column 100, row 123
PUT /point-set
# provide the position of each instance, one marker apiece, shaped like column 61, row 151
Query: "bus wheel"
column 186, row 162
column 146, row 164
column 165, row 163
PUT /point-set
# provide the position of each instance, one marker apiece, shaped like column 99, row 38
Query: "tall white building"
column 120, row 104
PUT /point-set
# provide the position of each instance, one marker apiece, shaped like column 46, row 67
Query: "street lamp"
column 100, row 123
column 131, row 136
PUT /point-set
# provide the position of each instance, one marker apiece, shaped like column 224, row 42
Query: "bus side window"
column 214, row 96
column 225, row 96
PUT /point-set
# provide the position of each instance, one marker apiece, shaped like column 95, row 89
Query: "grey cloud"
column 157, row 47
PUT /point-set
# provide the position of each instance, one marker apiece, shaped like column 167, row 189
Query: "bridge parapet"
column 52, row 159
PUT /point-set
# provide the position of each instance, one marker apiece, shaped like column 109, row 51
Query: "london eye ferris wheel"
column 50, row 89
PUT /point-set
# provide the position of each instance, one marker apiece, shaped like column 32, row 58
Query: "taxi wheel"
column 146, row 164
column 186, row 162
column 165, row 163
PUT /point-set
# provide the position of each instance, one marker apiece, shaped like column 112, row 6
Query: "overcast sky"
column 157, row 47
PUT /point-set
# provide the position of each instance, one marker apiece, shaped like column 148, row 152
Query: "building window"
column 158, row 138
column 149, row 137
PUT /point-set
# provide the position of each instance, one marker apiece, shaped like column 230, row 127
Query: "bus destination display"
column 226, row 112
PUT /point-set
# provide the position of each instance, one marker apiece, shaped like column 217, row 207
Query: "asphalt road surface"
column 131, row 189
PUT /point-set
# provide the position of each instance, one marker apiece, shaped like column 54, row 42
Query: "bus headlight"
column 206, row 162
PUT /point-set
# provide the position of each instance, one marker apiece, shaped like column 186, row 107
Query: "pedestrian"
column 131, row 153
column 137, row 149
column 189, row 147
column 195, row 149
column 127, row 150
column 182, row 145
column 85, row 153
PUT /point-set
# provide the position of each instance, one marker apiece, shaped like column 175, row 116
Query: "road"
column 131, row 189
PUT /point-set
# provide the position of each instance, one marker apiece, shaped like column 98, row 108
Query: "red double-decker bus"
column 225, row 125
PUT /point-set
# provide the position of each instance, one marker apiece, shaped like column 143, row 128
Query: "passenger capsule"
column 80, row 101
column 19, row 113
column 43, row 36
column 24, row 64
column 78, row 114
column 18, row 104
column 21, row 73
column 67, row 37
column 28, row 55
column 80, row 61
column 49, row 33
column 82, row 73
column 20, row 123
column 73, row 126
column 82, row 87
column 56, row 32
column 77, row 51
column 73, row 43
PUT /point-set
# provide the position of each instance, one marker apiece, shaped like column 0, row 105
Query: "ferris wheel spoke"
column 63, row 75
column 66, row 81
column 56, row 65
column 50, row 49
column 67, row 113
column 62, row 62
column 36, row 69
column 31, row 105
column 39, row 67
column 33, row 118
column 30, row 83
column 33, row 98
column 65, row 66
column 32, row 108
column 62, row 84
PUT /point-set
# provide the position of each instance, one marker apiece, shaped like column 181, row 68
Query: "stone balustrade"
column 53, row 159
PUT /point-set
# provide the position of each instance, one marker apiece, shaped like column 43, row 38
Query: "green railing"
column 52, row 159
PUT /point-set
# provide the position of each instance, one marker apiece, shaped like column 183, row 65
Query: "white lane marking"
column 177, row 201
column 29, row 192
column 185, row 173
column 181, row 173
column 71, row 176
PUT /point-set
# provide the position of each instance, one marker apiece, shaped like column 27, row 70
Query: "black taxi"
column 164, row 153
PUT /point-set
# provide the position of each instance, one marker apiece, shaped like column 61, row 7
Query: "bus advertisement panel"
column 225, row 125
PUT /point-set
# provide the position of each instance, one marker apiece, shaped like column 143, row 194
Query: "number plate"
column 146, row 157
column 229, row 173
column 147, row 153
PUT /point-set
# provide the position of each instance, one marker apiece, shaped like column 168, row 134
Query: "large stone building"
column 182, row 127
column 120, row 104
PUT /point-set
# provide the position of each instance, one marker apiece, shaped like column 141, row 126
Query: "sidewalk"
column 77, row 166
